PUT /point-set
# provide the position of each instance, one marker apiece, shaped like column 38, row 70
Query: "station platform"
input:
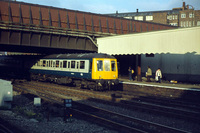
column 163, row 84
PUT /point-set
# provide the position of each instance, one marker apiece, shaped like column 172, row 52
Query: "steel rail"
column 77, row 105
column 183, row 114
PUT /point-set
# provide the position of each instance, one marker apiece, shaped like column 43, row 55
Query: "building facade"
column 185, row 16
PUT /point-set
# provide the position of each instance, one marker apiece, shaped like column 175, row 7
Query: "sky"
column 111, row 6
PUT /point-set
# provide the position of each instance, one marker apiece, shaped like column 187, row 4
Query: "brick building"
column 184, row 16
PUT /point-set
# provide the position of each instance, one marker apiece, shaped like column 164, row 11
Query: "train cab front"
column 105, row 72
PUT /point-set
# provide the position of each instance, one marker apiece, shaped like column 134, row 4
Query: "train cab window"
column 73, row 64
column 113, row 65
column 99, row 65
column 82, row 64
column 57, row 63
column 64, row 64
column 107, row 65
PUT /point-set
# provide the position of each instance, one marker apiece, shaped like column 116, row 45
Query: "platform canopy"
column 176, row 41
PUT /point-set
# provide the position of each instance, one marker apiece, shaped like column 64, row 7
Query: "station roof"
column 176, row 41
column 78, row 56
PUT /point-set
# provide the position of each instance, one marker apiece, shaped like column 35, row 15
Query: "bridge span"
column 28, row 27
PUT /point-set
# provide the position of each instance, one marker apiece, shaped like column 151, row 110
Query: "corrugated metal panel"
column 179, row 41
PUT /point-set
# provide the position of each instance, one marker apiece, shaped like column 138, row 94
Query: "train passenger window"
column 64, row 64
column 82, row 64
column 38, row 63
column 107, row 65
column 57, row 63
column 113, row 65
column 41, row 63
column 51, row 64
column 61, row 64
column 54, row 64
column 44, row 63
column 68, row 64
column 77, row 65
column 72, row 64
column 47, row 62
column 99, row 65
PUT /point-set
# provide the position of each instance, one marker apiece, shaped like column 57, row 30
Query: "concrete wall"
column 180, row 67
column 6, row 93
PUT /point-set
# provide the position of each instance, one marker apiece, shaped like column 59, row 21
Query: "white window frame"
column 183, row 15
column 191, row 15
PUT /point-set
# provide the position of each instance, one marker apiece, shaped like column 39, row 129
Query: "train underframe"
column 98, row 85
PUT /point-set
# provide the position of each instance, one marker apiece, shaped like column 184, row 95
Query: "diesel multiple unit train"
column 91, row 70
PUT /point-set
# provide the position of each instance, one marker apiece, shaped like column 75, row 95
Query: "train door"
column 114, row 70
column 98, row 69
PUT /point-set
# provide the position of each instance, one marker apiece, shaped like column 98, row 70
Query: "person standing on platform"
column 148, row 74
column 158, row 75
column 130, row 73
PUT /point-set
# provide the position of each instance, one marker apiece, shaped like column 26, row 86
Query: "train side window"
column 82, row 64
column 68, row 64
column 113, row 65
column 54, row 64
column 77, row 64
column 38, row 63
column 51, row 64
column 99, row 65
column 64, row 64
column 41, row 63
column 44, row 63
column 57, row 63
column 107, row 65
column 73, row 64
column 61, row 64
column 47, row 63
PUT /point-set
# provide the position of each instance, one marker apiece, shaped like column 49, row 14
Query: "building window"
column 169, row 17
column 181, row 23
column 186, row 25
column 149, row 18
column 138, row 18
column 191, row 15
column 183, row 15
column 128, row 17
column 190, row 23
column 176, row 16
column 198, row 23
column 174, row 24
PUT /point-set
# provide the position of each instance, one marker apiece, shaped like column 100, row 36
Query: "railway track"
column 120, row 122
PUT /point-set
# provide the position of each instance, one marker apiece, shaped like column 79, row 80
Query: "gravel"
column 55, row 124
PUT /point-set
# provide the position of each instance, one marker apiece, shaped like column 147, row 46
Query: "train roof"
column 78, row 56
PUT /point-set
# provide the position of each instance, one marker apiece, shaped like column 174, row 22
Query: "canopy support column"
column 138, row 62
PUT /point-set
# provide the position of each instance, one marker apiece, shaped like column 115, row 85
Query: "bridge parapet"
column 35, row 25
